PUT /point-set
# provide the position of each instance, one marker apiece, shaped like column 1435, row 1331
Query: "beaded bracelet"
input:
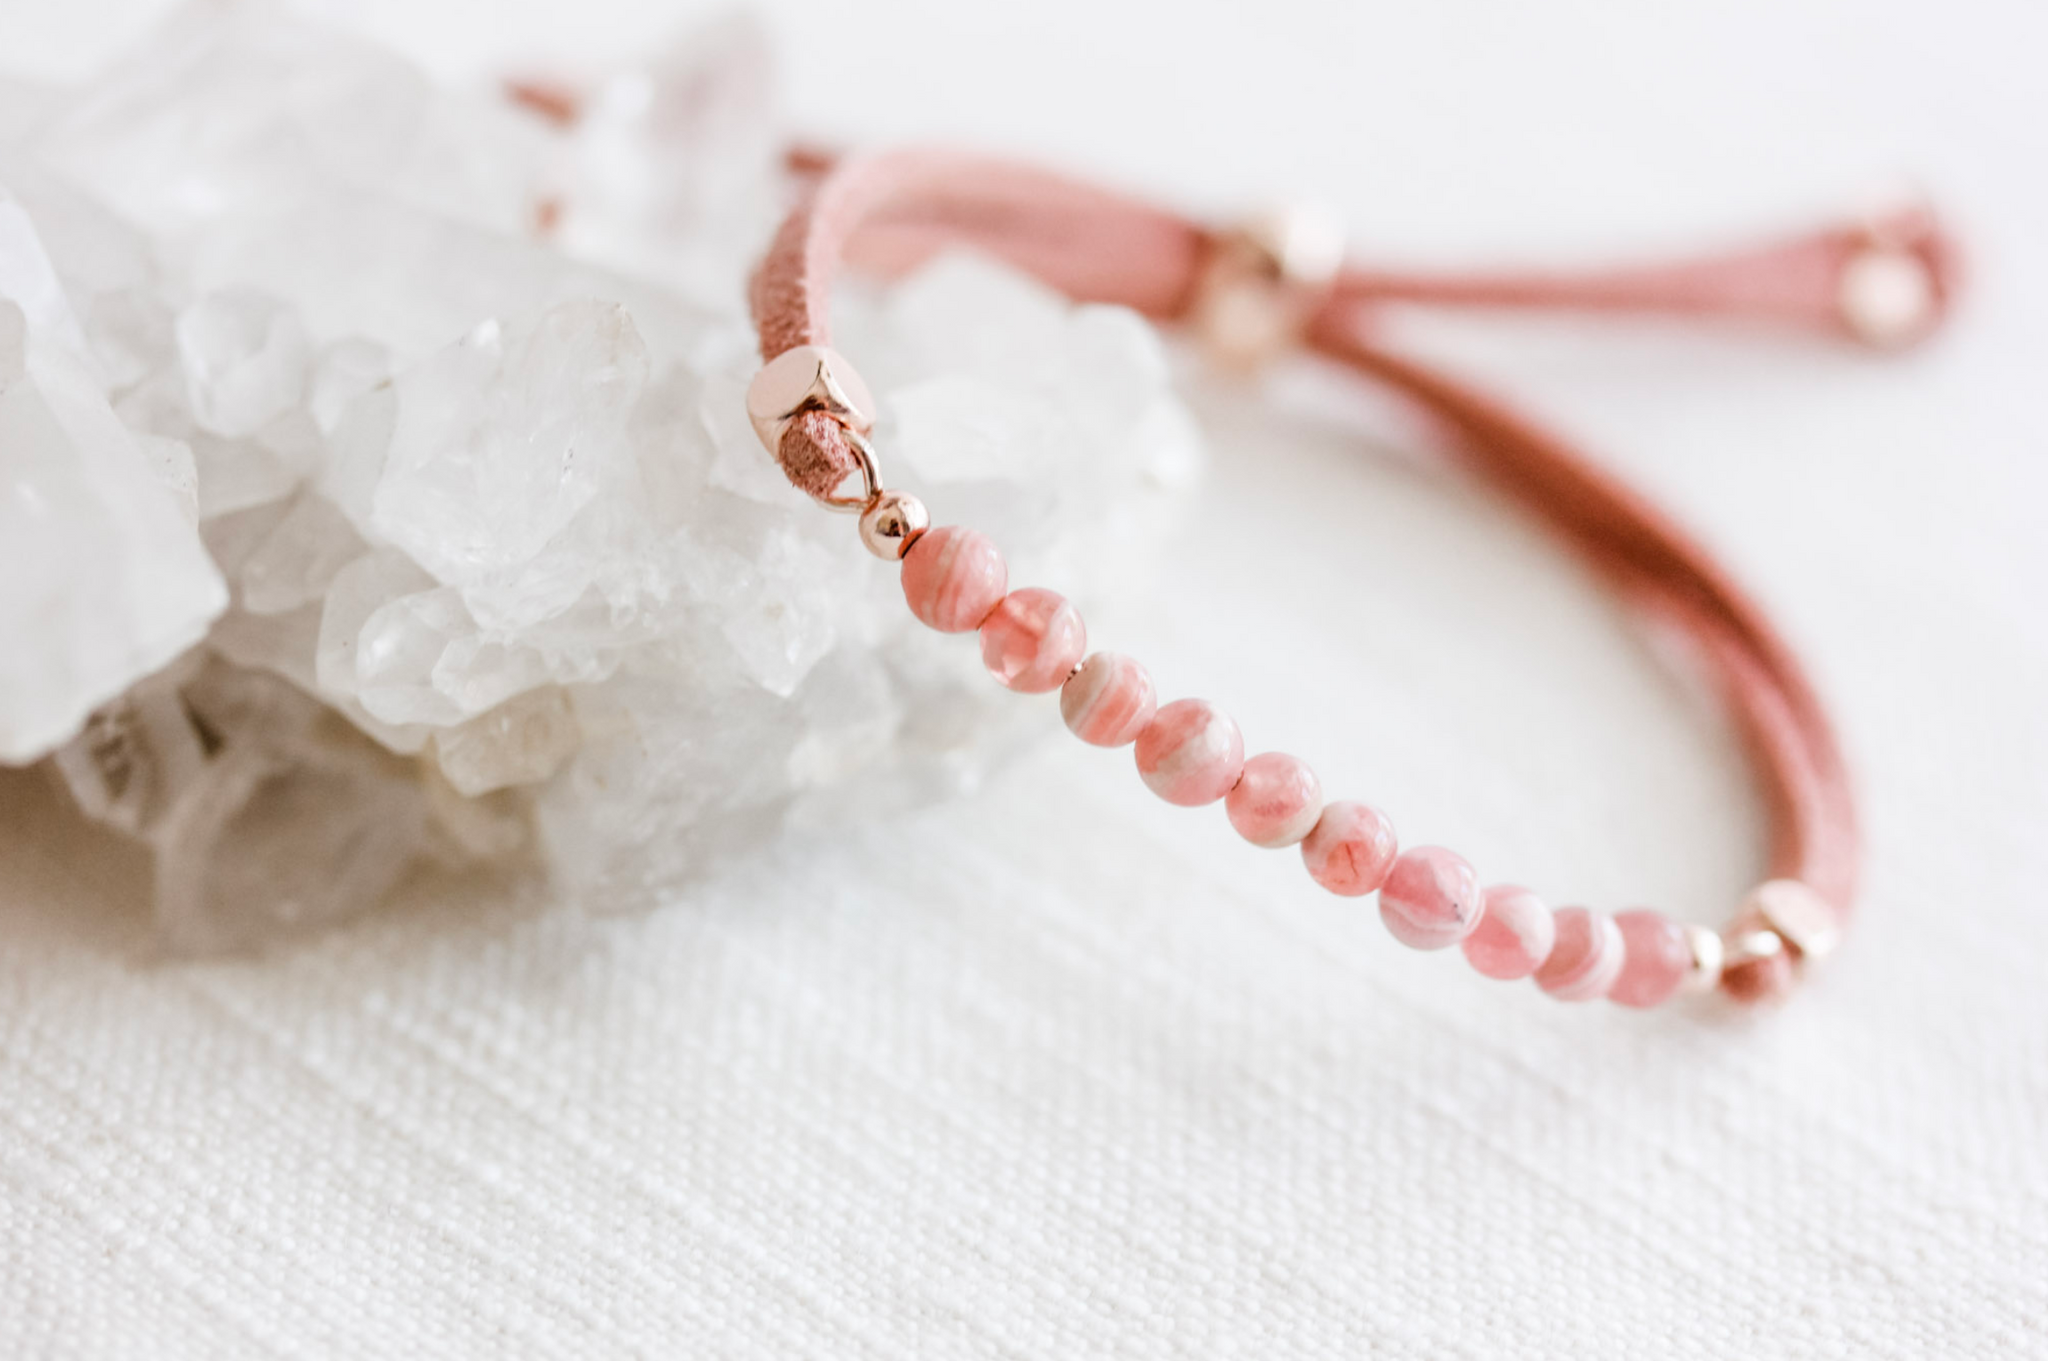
column 1251, row 293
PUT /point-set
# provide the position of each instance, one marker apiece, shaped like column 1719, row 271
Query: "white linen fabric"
column 1059, row 1071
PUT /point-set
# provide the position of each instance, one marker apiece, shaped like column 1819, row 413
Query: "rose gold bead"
column 1261, row 282
column 1886, row 297
column 1802, row 918
column 891, row 523
column 1704, row 974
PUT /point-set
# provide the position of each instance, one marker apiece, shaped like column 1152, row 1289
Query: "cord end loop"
column 1897, row 279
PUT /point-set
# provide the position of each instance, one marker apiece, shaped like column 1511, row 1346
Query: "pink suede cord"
column 1793, row 285
column 887, row 213
column 1664, row 573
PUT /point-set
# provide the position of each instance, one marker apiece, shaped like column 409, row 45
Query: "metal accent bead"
column 891, row 523
column 807, row 378
column 1707, row 955
column 1261, row 283
column 1746, row 947
column 1804, row 920
column 1299, row 244
column 1886, row 297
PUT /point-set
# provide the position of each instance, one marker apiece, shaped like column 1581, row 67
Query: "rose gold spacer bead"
column 1803, row 919
column 891, row 523
column 1886, row 297
column 1704, row 975
column 1261, row 283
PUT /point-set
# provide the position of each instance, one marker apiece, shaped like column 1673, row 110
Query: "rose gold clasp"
column 817, row 378
column 1262, row 282
column 807, row 378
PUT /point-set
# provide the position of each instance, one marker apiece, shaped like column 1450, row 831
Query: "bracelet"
column 1251, row 293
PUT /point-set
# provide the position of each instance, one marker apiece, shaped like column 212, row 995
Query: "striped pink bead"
column 1586, row 959
column 1191, row 753
column 1514, row 934
column 1108, row 701
column 953, row 578
column 1431, row 899
column 1276, row 801
column 1033, row 640
column 1656, row 957
column 1350, row 849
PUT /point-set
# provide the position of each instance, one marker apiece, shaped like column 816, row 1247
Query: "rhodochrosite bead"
column 1586, row 959
column 1514, row 934
column 1350, row 849
column 1033, row 640
column 1431, row 899
column 1275, row 801
column 1190, row 753
column 1656, row 956
column 1108, row 701
column 953, row 578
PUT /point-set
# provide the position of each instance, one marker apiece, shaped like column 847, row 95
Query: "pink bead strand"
column 1514, row 935
column 1033, row 640
column 1191, row 753
column 1276, row 801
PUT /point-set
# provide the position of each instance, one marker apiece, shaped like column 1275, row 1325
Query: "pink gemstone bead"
column 1655, row 958
column 1033, row 640
column 1109, row 700
column 1350, row 849
column 953, row 578
column 1276, row 801
column 1431, row 899
column 1190, row 753
column 1586, row 959
column 1514, row 934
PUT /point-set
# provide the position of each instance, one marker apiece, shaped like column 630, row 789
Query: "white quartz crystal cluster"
column 376, row 490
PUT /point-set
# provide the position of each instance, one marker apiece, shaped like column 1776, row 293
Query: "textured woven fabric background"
column 1059, row 1071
